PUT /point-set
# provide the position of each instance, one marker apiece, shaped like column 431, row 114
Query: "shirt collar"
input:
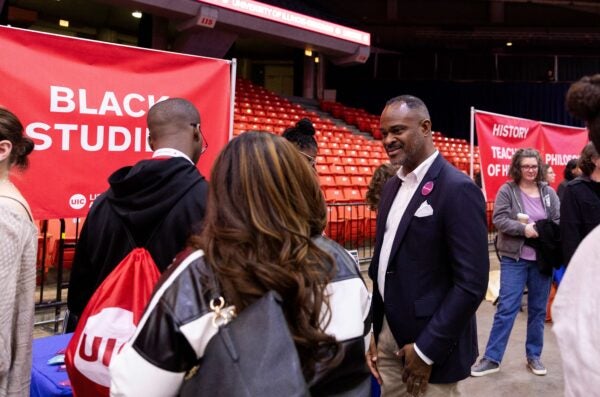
column 419, row 172
column 170, row 152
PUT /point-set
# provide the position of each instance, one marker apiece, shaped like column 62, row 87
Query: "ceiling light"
column 308, row 52
column 316, row 59
column 136, row 14
column 64, row 23
column 509, row 43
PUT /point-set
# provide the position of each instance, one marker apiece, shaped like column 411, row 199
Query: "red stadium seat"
column 333, row 160
column 343, row 180
column 375, row 162
column 68, row 253
column 365, row 170
column 352, row 170
column 353, row 194
column 335, row 228
column 355, row 224
column 337, row 169
column 334, row 195
column 327, row 181
column 359, row 181
column 362, row 161
column 349, row 161
column 370, row 223
column 322, row 168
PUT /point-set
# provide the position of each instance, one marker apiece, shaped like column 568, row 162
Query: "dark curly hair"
column 260, row 217
column 569, row 168
column 586, row 161
column 514, row 170
column 11, row 129
column 302, row 135
column 380, row 177
column 583, row 101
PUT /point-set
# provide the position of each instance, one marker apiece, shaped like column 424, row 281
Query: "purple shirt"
column 535, row 209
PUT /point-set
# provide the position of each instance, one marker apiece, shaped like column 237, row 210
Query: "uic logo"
column 77, row 201
column 104, row 335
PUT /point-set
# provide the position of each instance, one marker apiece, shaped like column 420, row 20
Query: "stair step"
column 313, row 106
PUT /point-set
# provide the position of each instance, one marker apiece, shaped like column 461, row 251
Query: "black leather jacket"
column 176, row 328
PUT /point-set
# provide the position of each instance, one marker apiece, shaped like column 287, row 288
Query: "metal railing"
column 52, row 277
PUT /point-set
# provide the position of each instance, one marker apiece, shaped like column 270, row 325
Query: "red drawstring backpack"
column 109, row 321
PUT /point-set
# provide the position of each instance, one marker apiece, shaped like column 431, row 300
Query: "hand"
column 530, row 231
column 371, row 357
column 416, row 371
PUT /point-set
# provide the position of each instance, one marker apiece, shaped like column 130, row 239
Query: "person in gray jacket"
column 519, row 204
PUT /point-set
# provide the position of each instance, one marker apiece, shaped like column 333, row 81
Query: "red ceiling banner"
column 499, row 136
column 84, row 104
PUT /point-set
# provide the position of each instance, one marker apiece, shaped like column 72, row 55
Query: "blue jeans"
column 514, row 275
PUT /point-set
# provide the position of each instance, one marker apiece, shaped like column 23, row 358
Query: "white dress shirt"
column 410, row 183
column 170, row 152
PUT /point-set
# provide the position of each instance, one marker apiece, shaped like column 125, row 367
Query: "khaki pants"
column 390, row 369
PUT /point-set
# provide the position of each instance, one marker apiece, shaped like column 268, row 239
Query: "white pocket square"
column 424, row 210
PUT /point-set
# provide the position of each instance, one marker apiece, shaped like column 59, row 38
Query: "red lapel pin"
column 427, row 188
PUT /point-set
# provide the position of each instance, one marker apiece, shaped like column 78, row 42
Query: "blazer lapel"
column 414, row 204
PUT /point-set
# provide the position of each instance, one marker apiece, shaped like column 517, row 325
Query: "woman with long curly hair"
column 262, row 232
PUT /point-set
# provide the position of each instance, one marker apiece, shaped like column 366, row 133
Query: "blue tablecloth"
column 49, row 380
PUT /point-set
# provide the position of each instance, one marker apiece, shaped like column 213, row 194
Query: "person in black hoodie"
column 580, row 206
column 571, row 172
column 160, row 202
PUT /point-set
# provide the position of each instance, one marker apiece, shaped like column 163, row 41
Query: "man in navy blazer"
column 430, row 266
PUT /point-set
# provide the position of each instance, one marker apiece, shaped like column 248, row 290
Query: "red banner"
column 560, row 144
column 84, row 104
column 499, row 136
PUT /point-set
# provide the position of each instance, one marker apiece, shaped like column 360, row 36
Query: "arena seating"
column 456, row 151
column 346, row 161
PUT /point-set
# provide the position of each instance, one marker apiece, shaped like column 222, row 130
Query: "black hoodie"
column 160, row 201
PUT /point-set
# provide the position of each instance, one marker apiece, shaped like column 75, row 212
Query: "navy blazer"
column 438, row 271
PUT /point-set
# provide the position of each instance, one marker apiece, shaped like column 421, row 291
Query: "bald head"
column 171, row 124
column 171, row 115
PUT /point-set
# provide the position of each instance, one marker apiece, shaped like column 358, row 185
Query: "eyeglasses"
column 529, row 167
column 311, row 160
column 204, row 143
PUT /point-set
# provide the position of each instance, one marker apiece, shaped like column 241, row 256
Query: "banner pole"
column 232, row 104
column 472, row 139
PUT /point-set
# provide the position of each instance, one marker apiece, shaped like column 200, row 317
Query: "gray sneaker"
column 484, row 367
column 536, row 366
